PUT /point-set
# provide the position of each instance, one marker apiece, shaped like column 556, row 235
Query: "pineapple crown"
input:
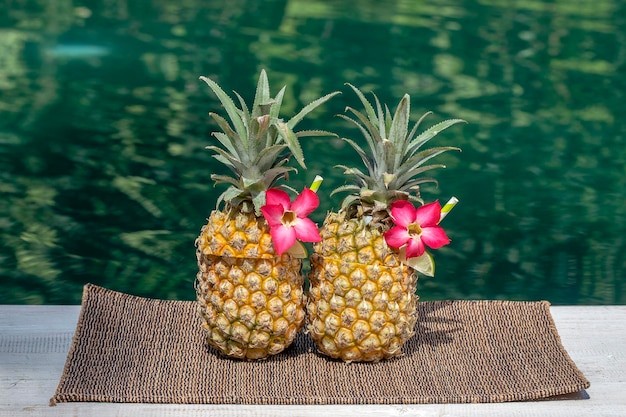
column 257, row 144
column 396, row 160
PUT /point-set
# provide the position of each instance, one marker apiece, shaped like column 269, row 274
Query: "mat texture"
column 132, row 349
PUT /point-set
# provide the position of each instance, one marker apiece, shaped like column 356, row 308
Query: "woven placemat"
column 133, row 349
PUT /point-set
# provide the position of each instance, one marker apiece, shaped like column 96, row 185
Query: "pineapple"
column 250, row 297
column 362, row 303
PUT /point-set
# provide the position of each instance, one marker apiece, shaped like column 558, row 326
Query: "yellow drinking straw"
column 447, row 207
column 317, row 181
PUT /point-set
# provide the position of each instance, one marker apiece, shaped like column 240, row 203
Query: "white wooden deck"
column 34, row 341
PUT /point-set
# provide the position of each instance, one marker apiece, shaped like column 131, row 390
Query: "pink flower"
column 288, row 221
column 416, row 228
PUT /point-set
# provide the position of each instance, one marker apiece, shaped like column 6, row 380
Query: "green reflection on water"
column 103, row 122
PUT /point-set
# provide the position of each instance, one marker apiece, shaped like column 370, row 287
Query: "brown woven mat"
column 132, row 349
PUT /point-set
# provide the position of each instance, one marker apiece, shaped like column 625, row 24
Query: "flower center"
column 414, row 229
column 289, row 218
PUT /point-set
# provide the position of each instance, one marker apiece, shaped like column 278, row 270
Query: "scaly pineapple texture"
column 362, row 302
column 362, row 299
column 250, row 299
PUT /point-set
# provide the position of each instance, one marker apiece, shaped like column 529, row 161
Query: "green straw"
column 317, row 181
column 447, row 207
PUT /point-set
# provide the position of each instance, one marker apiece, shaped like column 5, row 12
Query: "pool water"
column 103, row 123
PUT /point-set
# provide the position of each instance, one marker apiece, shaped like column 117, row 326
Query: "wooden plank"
column 34, row 341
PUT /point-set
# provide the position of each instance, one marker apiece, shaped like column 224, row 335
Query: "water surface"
column 103, row 123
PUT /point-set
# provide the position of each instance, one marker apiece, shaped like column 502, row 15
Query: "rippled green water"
column 103, row 122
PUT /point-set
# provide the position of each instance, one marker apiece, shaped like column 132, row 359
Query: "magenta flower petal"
column 306, row 202
column 434, row 237
column 416, row 228
column 289, row 222
column 397, row 236
column 273, row 214
column 428, row 214
column 403, row 213
column 415, row 248
column 276, row 196
column 283, row 238
column 307, row 231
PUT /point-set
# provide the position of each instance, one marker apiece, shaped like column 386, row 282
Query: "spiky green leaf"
column 292, row 142
column 399, row 130
column 229, row 195
column 388, row 119
column 258, row 201
column 231, row 143
column 381, row 118
column 276, row 173
column 224, row 179
column 394, row 161
column 418, row 124
column 309, row 108
column 407, row 172
column 369, row 110
column 268, row 156
column 344, row 188
column 246, row 119
column 233, row 112
column 366, row 132
column 365, row 157
column 226, row 163
column 308, row 133
column 256, row 144
column 369, row 125
column 262, row 95
column 430, row 133
column 421, row 157
column 276, row 103
column 355, row 172
column 227, row 158
column 415, row 184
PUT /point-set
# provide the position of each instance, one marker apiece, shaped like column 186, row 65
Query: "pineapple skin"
column 250, row 300
column 361, row 304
